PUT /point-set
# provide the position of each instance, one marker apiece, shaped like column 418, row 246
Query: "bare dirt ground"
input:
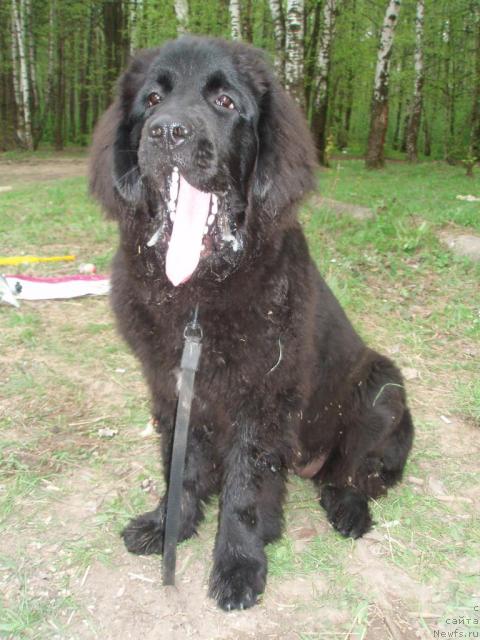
column 13, row 173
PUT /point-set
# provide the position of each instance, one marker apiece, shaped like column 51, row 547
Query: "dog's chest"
column 237, row 363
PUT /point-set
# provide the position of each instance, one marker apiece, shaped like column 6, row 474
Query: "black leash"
column 192, row 349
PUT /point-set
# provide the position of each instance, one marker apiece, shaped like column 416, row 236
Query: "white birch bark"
column 235, row 21
column 31, row 55
column 417, row 100
column 379, row 116
column 15, row 73
column 18, row 19
column 323, row 66
column 279, row 34
column 181, row 12
column 387, row 35
column 323, row 62
column 294, row 50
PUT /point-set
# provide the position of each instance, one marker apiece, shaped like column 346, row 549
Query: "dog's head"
column 205, row 140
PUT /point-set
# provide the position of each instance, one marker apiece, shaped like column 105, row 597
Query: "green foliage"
column 89, row 42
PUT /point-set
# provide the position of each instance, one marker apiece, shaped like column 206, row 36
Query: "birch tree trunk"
column 475, row 117
column 278, row 19
column 7, row 98
column 181, row 13
column 323, row 68
column 25, row 119
column 417, row 100
column 32, row 64
column 379, row 111
column 50, row 64
column 15, row 76
column 294, row 50
column 235, row 20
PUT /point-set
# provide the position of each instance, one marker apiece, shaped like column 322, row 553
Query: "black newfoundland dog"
column 203, row 159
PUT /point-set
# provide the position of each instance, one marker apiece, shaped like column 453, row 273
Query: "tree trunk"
column 349, row 107
column 401, row 101
column 85, row 61
column 181, row 13
column 7, row 98
column 16, row 82
column 475, row 117
column 294, row 50
column 379, row 111
column 60, row 95
column 416, row 107
column 96, row 76
column 323, row 70
column 235, row 20
column 48, row 101
column 310, row 62
column 278, row 19
column 115, row 45
column 427, row 135
column 72, row 91
column 247, row 27
column 398, row 122
column 35, row 101
column 18, row 19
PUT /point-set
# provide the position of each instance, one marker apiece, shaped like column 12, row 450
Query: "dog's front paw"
column 347, row 510
column 144, row 535
column 236, row 583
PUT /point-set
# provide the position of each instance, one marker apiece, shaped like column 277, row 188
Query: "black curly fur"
column 285, row 382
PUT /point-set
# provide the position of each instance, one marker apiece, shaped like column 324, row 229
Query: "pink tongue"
column 185, row 244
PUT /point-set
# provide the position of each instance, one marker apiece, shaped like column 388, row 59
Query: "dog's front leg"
column 250, row 516
column 144, row 534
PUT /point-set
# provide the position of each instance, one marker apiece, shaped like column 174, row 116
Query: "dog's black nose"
column 170, row 132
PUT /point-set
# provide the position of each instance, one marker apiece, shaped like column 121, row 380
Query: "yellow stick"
column 28, row 259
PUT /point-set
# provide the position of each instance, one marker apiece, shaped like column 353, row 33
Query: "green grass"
column 64, row 375
column 43, row 218
column 34, row 617
column 401, row 191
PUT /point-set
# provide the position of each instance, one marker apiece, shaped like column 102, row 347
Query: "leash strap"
column 192, row 349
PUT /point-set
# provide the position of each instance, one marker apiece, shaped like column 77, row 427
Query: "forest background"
column 373, row 76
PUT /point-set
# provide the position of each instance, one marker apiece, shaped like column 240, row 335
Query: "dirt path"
column 13, row 173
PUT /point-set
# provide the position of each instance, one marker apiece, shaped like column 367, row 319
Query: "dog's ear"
column 286, row 161
column 114, row 177
column 101, row 160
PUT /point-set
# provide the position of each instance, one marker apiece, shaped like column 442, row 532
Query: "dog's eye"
column 225, row 102
column 153, row 99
